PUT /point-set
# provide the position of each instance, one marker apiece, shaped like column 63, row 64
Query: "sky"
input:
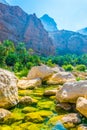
column 68, row 14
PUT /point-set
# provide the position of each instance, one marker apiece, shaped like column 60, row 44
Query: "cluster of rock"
column 74, row 92
column 43, row 73
column 72, row 95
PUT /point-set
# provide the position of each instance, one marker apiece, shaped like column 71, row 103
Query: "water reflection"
column 59, row 126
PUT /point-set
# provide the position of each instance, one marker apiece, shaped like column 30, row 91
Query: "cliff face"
column 65, row 41
column 49, row 23
column 35, row 33
column 18, row 26
column 68, row 42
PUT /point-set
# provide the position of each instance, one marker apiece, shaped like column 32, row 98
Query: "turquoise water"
column 58, row 126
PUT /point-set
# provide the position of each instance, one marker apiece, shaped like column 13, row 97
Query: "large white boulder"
column 27, row 84
column 61, row 78
column 8, row 89
column 81, row 106
column 71, row 91
column 42, row 72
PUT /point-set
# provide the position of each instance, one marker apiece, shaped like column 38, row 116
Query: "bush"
column 11, row 59
column 29, row 65
column 68, row 67
column 81, row 67
column 78, row 79
column 49, row 63
column 22, row 73
column 18, row 67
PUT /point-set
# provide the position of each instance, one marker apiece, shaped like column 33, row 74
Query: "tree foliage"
column 19, row 59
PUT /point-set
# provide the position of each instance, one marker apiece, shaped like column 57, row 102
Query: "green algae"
column 46, row 105
column 24, row 92
column 40, row 115
column 5, row 127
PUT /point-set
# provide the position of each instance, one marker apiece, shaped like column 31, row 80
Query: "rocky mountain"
column 68, row 42
column 3, row 2
column 49, row 23
column 83, row 31
column 65, row 41
column 18, row 26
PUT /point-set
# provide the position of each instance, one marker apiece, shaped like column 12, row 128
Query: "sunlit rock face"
column 71, row 91
column 27, row 84
column 61, row 78
column 8, row 89
column 18, row 26
column 42, row 72
column 81, row 106
column 49, row 23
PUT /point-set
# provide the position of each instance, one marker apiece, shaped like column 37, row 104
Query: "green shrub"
column 68, row 67
column 18, row 67
column 11, row 59
column 78, row 79
column 22, row 73
column 49, row 63
column 81, row 67
column 29, row 65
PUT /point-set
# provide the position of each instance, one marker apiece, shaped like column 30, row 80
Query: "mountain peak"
column 3, row 2
column 83, row 31
column 48, row 23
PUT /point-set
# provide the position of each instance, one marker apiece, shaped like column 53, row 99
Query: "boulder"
column 81, row 106
column 26, row 100
column 50, row 93
column 4, row 114
column 57, row 69
column 65, row 106
column 8, row 89
column 82, row 127
column 27, row 84
column 71, row 91
column 61, row 78
column 42, row 72
column 72, row 118
column 80, row 74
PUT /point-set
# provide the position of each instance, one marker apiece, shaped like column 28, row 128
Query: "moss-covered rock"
column 53, row 120
column 44, row 113
column 5, row 127
column 82, row 127
column 24, row 92
column 15, row 117
column 34, row 127
column 26, row 100
column 46, row 105
column 33, row 117
column 4, row 115
column 29, row 109
column 25, row 125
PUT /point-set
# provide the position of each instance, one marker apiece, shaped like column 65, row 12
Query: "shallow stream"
column 40, row 115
